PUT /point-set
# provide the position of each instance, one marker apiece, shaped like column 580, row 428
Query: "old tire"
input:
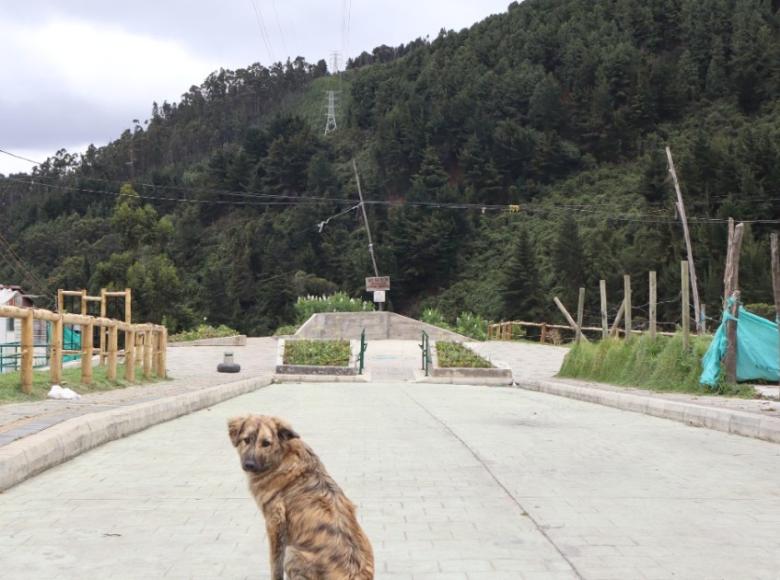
column 228, row 368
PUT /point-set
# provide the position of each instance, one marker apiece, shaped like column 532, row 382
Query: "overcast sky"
column 78, row 72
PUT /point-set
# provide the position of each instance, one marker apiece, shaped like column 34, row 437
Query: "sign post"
column 379, row 285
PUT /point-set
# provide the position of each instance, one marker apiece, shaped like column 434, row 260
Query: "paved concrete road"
column 452, row 483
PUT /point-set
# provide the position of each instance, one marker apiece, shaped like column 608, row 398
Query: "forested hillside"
column 214, row 208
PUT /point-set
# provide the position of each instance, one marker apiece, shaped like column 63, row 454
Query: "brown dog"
column 312, row 528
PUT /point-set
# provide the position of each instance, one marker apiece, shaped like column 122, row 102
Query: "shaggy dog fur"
column 312, row 528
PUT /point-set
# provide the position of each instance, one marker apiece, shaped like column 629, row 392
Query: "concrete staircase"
column 378, row 326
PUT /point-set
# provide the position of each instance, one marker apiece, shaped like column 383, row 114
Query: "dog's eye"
column 246, row 440
column 266, row 443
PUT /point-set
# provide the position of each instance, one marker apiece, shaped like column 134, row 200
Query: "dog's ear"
column 284, row 431
column 234, row 429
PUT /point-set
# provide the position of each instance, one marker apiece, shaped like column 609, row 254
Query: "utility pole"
column 681, row 209
column 365, row 221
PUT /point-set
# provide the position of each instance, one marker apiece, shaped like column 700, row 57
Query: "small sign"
column 378, row 283
column 379, row 295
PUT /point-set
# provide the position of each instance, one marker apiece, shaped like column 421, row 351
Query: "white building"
column 11, row 330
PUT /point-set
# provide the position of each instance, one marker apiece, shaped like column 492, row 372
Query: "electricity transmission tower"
column 330, row 123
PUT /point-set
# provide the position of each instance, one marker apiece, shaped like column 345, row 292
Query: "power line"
column 279, row 26
column 20, row 157
column 263, row 30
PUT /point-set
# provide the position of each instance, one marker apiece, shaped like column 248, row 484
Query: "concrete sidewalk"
column 451, row 483
column 190, row 368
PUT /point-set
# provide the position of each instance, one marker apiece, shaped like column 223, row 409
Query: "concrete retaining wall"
column 378, row 326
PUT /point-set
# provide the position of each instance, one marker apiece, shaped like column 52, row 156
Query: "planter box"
column 492, row 376
column 352, row 369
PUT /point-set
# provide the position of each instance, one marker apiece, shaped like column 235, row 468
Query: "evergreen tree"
column 521, row 292
column 568, row 260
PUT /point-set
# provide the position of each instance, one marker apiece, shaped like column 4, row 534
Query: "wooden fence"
column 147, row 341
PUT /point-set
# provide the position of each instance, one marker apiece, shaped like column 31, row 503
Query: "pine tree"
column 521, row 292
column 568, row 260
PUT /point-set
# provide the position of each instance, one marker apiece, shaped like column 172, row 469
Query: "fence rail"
column 149, row 341
column 504, row 330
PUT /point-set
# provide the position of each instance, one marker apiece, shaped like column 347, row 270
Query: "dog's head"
column 261, row 441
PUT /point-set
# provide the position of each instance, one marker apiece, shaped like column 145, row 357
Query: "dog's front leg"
column 276, row 528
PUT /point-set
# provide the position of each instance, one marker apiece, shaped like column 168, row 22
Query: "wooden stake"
column 618, row 318
column 574, row 326
column 727, row 271
column 731, row 289
column 775, row 245
column 627, row 303
column 87, row 346
column 686, row 306
column 156, row 353
column 113, row 346
column 580, row 313
column 147, row 354
column 103, row 329
column 128, row 305
column 84, row 303
column 130, row 356
column 688, row 246
column 28, row 352
column 604, row 318
column 653, row 303
column 163, row 353
column 55, row 360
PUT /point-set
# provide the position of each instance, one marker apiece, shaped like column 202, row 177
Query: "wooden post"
column 55, row 360
column 103, row 329
column 574, row 326
column 604, row 319
column 688, row 246
column 728, row 269
column 113, row 345
column 156, row 352
column 618, row 318
column 128, row 305
column 653, row 304
column 731, row 289
column 87, row 347
column 60, row 301
column 543, row 337
column 28, row 352
column 163, row 353
column 686, row 306
column 84, row 303
column 147, row 354
column 580, row 313
column 775, row 247
column 130, row 356
column 627, row 303
column 704, row 318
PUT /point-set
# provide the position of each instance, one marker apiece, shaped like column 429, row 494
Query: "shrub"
column 203, row 331
column 455, row 355
column 761, row 309
column 435, row 317
column 472, row 325
column 329, row 353
column 306, row 306
column 286, row 329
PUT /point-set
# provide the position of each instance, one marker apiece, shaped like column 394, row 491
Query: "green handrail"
column 425, row 347
column 363, row 348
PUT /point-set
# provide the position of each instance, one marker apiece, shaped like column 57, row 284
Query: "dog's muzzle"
column 252, row 466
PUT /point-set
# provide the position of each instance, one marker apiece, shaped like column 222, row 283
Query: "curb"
column 36, row 453
column 729, row 421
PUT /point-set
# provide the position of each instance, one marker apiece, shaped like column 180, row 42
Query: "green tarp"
column 757, row 350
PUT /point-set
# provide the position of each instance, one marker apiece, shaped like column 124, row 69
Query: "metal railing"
column 425, row 347
column 363, row 348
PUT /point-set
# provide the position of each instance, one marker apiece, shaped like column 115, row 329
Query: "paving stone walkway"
column 534, row 361
column 190, row 369
column 452, row 482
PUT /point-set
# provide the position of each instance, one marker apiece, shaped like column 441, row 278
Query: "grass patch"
column 203, row 331
column 657, row 365
column 455, row 355
column 11, row 390
column 325, row 353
